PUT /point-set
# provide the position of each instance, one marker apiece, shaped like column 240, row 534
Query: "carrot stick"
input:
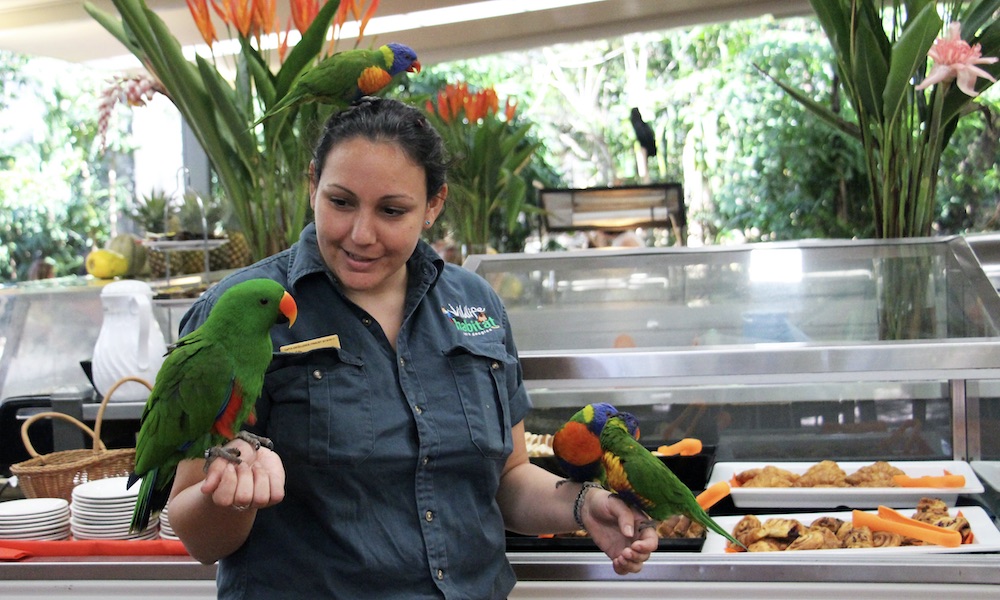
column 930, row 481
column 907, row 527
column 733, row 482
column 685, row 447
column 715, row 492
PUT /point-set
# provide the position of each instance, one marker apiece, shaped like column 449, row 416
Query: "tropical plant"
column 262, row 169
column 881, row 51
column 487, row 194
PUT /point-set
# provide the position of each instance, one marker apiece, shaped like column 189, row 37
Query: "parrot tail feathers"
column 710, row 523
column 143, row 504
column 150, row 501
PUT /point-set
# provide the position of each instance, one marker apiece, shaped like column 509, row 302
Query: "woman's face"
column 371, row 207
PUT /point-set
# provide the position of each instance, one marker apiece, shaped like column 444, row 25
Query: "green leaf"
column 870, row 71
column 113, row 26
column 977, row 14
column 909, row 55
column 235, row 122
column 821, row 111
column 833, row 16
column 306, row 50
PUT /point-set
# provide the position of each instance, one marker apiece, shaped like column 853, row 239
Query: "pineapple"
column 232, row 255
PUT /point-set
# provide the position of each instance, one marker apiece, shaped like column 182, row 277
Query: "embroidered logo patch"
column 470, row 320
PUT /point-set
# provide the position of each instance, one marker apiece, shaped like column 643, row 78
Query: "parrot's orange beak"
column 415, row 67
column 289, row 308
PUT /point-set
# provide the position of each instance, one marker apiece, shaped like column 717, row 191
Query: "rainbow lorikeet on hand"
column 577, row 444
column 642, row 480
column 344, row 77
column 206, row 389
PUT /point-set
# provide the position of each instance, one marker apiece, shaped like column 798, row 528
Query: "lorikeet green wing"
column 577, row 444
column 345, row 76
column 207, row 388
column 642, row 480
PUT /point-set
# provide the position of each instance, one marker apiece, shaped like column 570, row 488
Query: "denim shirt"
column 392, row 457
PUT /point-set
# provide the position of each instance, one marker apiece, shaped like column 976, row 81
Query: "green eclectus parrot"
column 577, row 444
column 346, row 76
column 206, row 389
column 642, row 480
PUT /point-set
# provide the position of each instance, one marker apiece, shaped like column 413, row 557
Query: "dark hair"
column 387, row 120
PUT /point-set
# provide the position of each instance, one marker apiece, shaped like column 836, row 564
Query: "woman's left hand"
column 615, row 528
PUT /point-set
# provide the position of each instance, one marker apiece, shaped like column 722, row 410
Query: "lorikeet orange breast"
column 577, row 444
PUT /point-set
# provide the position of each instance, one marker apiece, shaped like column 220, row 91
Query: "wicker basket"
column 55, row 475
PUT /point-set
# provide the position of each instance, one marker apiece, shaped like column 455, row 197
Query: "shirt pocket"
column 480, row 373
column 321, row 407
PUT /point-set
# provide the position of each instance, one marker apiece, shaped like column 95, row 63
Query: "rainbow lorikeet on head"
column 642, row 480
column 577, row 444
column 206, row 389
column 344, row 77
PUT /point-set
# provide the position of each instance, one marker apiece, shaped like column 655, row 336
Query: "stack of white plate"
column 102, row 510
column 34, row 519
column 166, row 531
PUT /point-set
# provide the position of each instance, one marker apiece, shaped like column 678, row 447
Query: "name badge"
column 329, row 341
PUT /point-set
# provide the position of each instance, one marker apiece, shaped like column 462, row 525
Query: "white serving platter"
column 988, row 471
column 986, row 538
column 852, row 497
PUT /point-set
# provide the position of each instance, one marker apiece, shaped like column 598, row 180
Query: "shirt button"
column 440, row 574
column 429, row 516
column 418, row 410
column 367, row 321
column 426, row 460
column 317, row 374
column 495, row 365
column 402, row 362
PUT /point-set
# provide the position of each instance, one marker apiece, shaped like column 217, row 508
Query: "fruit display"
column 106, row 264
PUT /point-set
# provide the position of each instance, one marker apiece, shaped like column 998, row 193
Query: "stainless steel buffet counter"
column 766, row 352
column 547, row 575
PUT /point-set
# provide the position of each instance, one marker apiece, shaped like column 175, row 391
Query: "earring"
column 427, row 222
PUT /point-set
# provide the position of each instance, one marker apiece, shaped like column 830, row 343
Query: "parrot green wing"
column 206, row 388
column 641, row 479
column 344, row 77
column 191, row 390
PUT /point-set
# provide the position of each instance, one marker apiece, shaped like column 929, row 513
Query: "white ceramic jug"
column 130, row 341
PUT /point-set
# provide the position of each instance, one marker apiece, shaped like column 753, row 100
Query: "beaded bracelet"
column 578, row 506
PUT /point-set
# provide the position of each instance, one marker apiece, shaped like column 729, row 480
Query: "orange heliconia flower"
column 456, row 100
column 510, row 109
column 265, row 17
column 354, row 6
column 283, row 42
column 235, row 13
column 304, row 13
column 202, row 18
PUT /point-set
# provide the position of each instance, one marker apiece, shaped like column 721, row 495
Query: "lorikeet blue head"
column 577, row 444
column 403, row 58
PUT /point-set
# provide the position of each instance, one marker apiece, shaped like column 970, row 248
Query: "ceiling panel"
column 62, row 29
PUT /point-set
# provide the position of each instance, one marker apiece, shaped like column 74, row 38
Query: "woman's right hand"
column 257, row 481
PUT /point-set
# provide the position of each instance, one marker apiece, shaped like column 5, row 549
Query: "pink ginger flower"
column 955, row 59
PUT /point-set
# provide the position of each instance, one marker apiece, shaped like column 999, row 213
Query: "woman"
column 395, row 405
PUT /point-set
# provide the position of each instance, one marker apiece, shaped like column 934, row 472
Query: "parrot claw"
column 648, row 524
column 255, row 440
column 230, row 454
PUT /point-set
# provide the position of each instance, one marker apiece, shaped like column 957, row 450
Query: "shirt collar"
column 304, row 259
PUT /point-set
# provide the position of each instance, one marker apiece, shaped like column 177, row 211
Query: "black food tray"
column 519, row 543
column 693, row 471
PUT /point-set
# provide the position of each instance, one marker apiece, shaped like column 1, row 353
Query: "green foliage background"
column 754, row 163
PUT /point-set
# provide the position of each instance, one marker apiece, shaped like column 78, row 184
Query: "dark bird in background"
column 643, row 133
